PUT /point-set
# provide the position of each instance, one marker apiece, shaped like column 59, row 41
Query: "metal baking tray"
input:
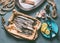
column 18, row 34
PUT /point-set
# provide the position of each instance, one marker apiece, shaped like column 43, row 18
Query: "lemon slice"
column 44, row 27
column 47, row 32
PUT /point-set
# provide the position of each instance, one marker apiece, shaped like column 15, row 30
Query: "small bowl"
column 54, row 28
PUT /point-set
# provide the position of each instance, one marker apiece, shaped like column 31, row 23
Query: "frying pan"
column 29, row 9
